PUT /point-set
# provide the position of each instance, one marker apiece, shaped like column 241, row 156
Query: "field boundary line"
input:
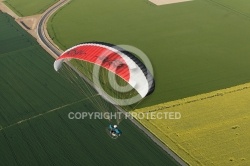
column 191, row 99
column 47, row 112
column 238, row 12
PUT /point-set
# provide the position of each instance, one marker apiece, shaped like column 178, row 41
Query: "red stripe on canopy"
column 101, row 56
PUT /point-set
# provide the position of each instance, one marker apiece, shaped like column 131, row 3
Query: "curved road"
column 42, row 25
column 49, row 46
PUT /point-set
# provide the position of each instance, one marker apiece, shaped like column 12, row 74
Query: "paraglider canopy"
column 116, row 60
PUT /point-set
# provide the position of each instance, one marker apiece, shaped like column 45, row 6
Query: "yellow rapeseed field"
column 214, row 128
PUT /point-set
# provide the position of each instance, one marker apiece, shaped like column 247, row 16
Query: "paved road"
column 42, row 25
column 56, row 52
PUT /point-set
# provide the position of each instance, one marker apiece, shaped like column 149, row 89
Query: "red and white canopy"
column 121, row 62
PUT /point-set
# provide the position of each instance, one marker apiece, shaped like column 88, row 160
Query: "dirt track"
column 28, row 23
column 165, row 2
column 5, row 9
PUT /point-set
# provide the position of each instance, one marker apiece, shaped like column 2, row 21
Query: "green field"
column 28, row 8
column 195, row 47
column 34, row 124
